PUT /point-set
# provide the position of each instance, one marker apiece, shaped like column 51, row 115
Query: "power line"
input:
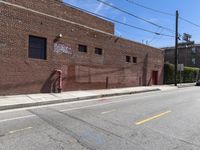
column 131, row 14
column 154, row 37
column 190, row 22
column 152, row 9
column 116, row 21
column 162, row 12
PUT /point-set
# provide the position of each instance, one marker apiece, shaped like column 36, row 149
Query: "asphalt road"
column 168, row 120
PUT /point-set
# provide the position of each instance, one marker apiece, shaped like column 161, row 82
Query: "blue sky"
column 187, row 9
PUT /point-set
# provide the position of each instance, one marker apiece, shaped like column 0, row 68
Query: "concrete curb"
column 185, row 86
column 26, row 105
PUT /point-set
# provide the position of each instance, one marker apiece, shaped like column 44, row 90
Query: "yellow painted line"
column 151, row 118
column 14, row 131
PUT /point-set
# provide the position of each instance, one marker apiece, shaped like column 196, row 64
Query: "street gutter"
column 42, row 103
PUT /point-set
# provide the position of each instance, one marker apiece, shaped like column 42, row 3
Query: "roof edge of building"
column 69, row 5
column 75, row 23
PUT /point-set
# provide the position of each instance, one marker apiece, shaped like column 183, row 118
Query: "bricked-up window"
column 98, row 51
column 128, row 58
column 37, row 47
column 82, row 48
column 134, row 59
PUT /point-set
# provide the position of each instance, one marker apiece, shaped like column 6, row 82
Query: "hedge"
column 189, row 74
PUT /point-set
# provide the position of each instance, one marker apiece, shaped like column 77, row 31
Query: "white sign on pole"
column 180, row 67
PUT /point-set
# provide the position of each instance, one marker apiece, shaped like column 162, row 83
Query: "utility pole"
column 176, row 51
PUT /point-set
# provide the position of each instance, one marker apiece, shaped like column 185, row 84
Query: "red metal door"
column 155, row 77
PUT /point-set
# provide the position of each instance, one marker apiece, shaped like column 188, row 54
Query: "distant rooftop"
column 183, row 45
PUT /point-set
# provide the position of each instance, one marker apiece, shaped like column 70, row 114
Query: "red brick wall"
column 20, row 74
column 57, row 9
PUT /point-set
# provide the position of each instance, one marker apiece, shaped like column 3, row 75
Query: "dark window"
column 98, row 51
column 134, row 59
column 194, row 50
column 37, row 47
column 82, row 48
column 128, row 58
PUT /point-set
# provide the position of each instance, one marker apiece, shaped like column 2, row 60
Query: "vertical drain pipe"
column 60, row 80
column 106, row 82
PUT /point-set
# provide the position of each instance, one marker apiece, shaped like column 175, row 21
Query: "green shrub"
column 168, row 74
column 188, row 75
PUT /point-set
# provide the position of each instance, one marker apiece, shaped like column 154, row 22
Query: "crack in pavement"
column 179, row 139
column 98, row 128
column 63, row 130
column 2, row 135
column 171, row 136
column 56, row 140
column 57, row 120
column 91, row 125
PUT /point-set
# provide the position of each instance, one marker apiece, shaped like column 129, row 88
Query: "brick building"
column 38, row 37
column 188, row 54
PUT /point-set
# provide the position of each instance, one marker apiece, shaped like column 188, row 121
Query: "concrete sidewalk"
column 29, row 100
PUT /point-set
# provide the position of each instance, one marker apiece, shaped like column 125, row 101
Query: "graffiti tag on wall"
column 61, row 48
